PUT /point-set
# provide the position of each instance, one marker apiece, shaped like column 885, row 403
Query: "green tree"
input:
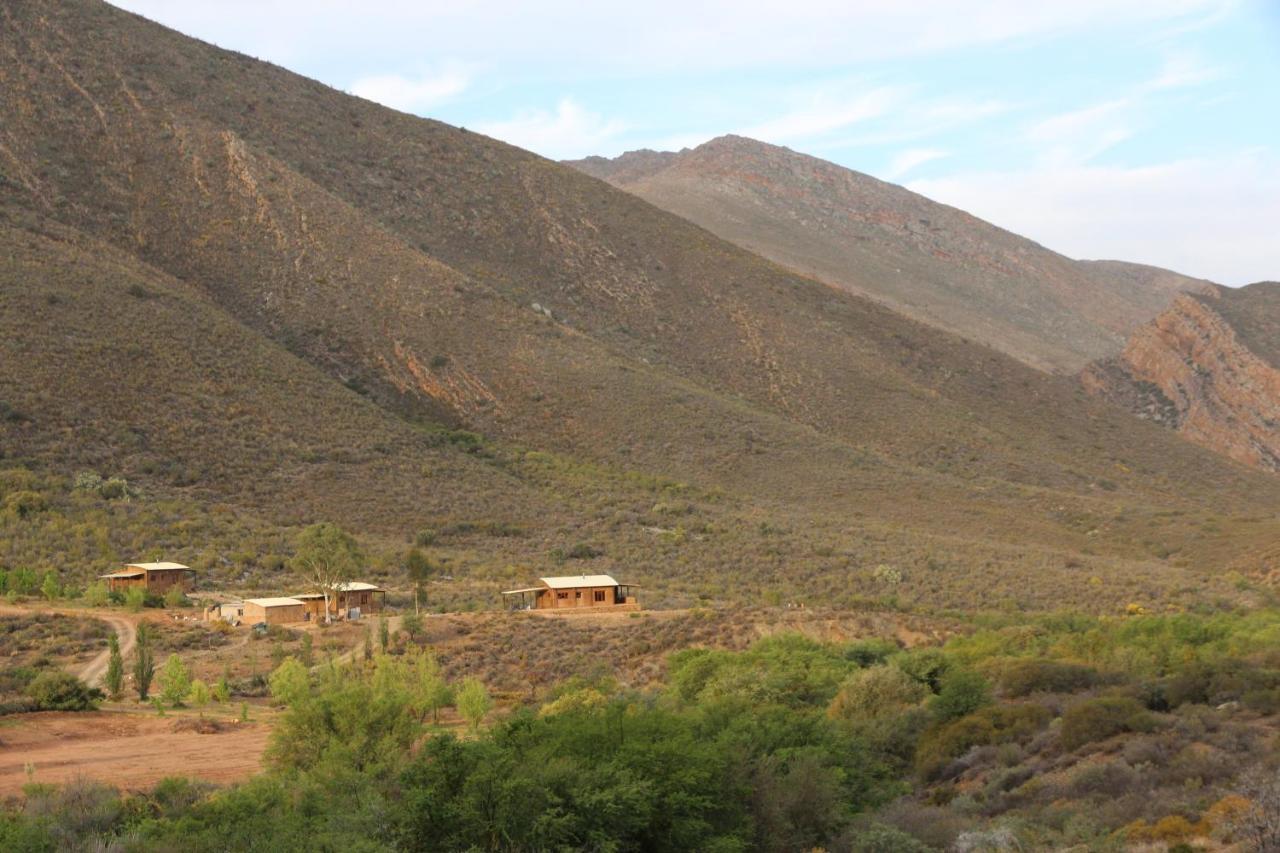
column 175, row 681
column 306, row 655
column 875, row 692
column 963, row 691
column 200, row 694
column 384, row 634
column 420, row 569
column 327, row 557
column 222, row 690
column 430, row 690
column 135, row 598
column 50, row 588
column 474, row 702
column 290, row 683
column 96, row 595
column 114, row 677
column 144, row 663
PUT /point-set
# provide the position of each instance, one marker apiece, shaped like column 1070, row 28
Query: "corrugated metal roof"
column 123, row 575
column 273, row 602
column 579, row 580
column 353, row 586
column 158, row 567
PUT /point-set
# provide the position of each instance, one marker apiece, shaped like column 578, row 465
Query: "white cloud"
column 412, row 94
column 910, row 159
column 822, row 110
column 567, row 132
column 1213, row 218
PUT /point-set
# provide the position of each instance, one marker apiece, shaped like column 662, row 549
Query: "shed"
column 273, row 611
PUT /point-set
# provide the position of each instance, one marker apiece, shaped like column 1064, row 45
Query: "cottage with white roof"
column 596, row 592
column 156, row 578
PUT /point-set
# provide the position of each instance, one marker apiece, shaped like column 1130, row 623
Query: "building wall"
column 280, row 615
column 585, row 596
column 163, row 580
column 123, row 584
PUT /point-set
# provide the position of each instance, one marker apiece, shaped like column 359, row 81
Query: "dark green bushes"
column 55, row 690
column 1099, row 719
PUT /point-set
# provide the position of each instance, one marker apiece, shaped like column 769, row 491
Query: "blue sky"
column 1147, row 130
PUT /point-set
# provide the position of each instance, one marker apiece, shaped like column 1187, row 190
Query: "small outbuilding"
column 156, row 578
column 577, row 592
column 273, row 611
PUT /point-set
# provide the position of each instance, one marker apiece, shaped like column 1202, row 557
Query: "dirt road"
column 124, row 626
column 126, row 632
column 129, row 750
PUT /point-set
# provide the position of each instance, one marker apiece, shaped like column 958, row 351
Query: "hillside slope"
column 1208, row 367
column 928, row 260
column 701, row 416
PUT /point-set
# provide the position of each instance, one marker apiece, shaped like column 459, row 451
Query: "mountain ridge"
column 934, row 262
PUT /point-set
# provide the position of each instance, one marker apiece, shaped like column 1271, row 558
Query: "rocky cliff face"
column 1199, row 368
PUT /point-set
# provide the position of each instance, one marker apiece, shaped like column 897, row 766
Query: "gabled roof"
column 273, row 602
column 159, row 567
column 578, row 581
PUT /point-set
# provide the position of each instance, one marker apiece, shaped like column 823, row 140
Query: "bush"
column 1099, row 719
column 55, row 690
column 875, row 692
column 135, row 598
column 986, row 727
column 175, row 598
column 1023, row 676
column 963, row 691
column 96, row 595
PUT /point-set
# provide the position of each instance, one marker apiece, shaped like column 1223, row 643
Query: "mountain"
column 1208, row 367
column 930, row 261
column 243, row 289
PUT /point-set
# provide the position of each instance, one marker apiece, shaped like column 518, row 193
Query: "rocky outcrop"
column 1191, row 370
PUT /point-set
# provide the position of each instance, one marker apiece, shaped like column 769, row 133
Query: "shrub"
column 55, row 690
column 200, row 694
column 963, row 691
column 1020, row 677
column 1099, row 719
column 874, row 692
column 135, row 598
column 175, row 681
column 96, row 595
column 991, row 725
column 175, row 597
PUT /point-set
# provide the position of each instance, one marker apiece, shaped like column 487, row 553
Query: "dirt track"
column 129, row 750
column 126, row 631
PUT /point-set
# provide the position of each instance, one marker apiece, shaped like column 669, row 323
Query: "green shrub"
column 988, row 726
column 1018, row 677
column 1098, row 719
column 135, row 598
column 175, row 598
column 875, row 692
column 55, row 690
column 96, row 595
column 963, row 691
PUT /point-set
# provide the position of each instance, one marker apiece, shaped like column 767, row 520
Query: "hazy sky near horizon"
column 1145, row 130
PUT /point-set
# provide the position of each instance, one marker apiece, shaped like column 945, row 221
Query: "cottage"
column 352, row 600
column 594, row 592
column 273, row 611
column 156, row 578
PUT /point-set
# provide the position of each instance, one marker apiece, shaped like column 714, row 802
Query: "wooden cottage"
column 273, row 611
column 351, row 600
column 580, row 592
column 157, row 578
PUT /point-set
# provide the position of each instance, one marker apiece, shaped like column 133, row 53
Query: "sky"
column 1144, row 130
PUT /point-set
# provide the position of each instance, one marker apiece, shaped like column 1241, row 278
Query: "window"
column 600, row 595
column 577, row 593
column 562, row 595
